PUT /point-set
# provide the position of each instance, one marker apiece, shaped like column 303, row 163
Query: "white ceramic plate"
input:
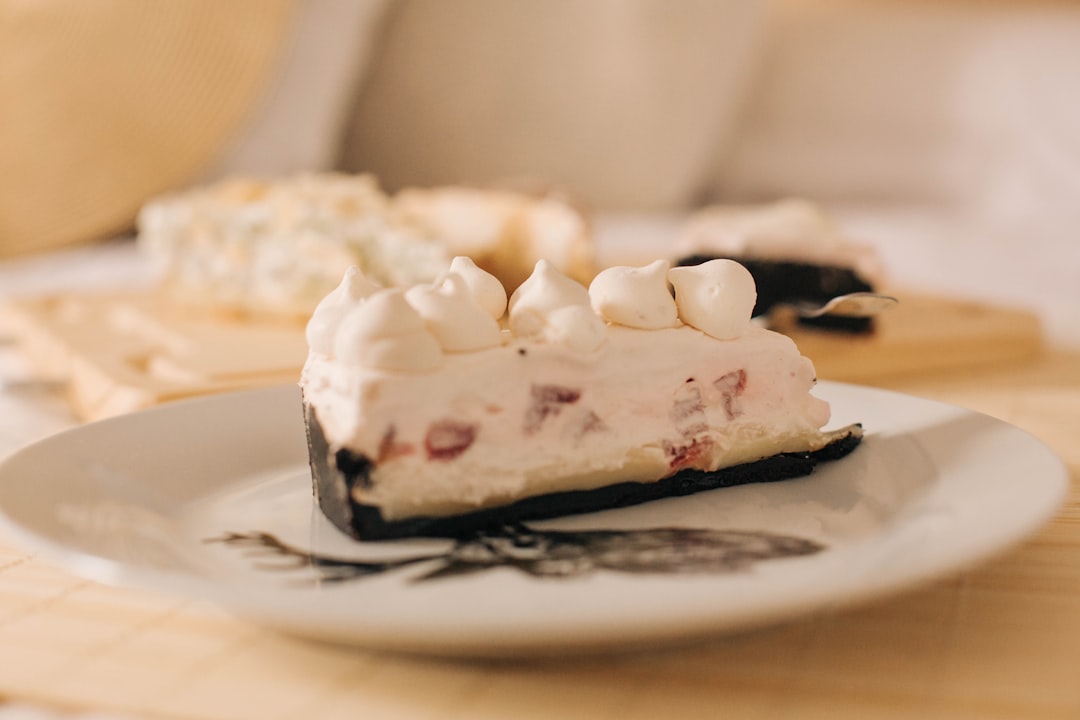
column 146, row 499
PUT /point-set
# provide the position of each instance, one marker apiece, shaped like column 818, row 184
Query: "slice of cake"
column 794, row 250
column 274, row 248
column 443, row 409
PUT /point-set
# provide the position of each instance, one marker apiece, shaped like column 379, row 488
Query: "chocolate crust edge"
column 336, row 472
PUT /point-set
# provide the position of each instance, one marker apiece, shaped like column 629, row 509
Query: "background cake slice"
column 274, row 248
column 504, row 232
column 795, row 252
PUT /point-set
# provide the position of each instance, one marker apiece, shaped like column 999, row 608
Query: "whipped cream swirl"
column 716, row 297
column 454, row 316
column 483, row 286
column 550, row 307
column 360, row 323
column 321, row 328
column 386, row 332
column 635, row 297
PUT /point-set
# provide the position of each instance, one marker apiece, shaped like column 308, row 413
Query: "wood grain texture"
column 116, row 353
column 922, row 334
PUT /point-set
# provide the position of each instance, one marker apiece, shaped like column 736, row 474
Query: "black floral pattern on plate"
column 555, row 554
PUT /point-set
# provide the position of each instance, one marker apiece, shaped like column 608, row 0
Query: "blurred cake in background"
column 274, row 248
column 504, row 232
column 794, row 250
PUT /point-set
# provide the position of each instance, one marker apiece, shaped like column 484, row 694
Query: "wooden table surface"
column 1001, row 640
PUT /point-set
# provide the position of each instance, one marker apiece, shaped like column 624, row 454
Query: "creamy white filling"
column 526, row 419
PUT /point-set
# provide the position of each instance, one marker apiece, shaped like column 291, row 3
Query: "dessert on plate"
column 794, row 250
column 446, row 408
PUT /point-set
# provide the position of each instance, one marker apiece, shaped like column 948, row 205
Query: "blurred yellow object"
column 105, row 104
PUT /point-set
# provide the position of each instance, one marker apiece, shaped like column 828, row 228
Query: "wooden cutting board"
column 922, row 334
column 118, row 353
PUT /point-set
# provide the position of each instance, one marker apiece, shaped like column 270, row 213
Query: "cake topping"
column 483, row 286
column 635, row 297
column 322, row 326
column 546, row 289
column 395, row 329
column 551, row 307
column 716, row 297
column 386, row 332
column 452, row 314
column 575, row 326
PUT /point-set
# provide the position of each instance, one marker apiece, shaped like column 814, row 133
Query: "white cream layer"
column 525, row 418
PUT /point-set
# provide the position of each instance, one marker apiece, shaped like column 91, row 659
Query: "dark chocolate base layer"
column 335, row 472
column 782, row 282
